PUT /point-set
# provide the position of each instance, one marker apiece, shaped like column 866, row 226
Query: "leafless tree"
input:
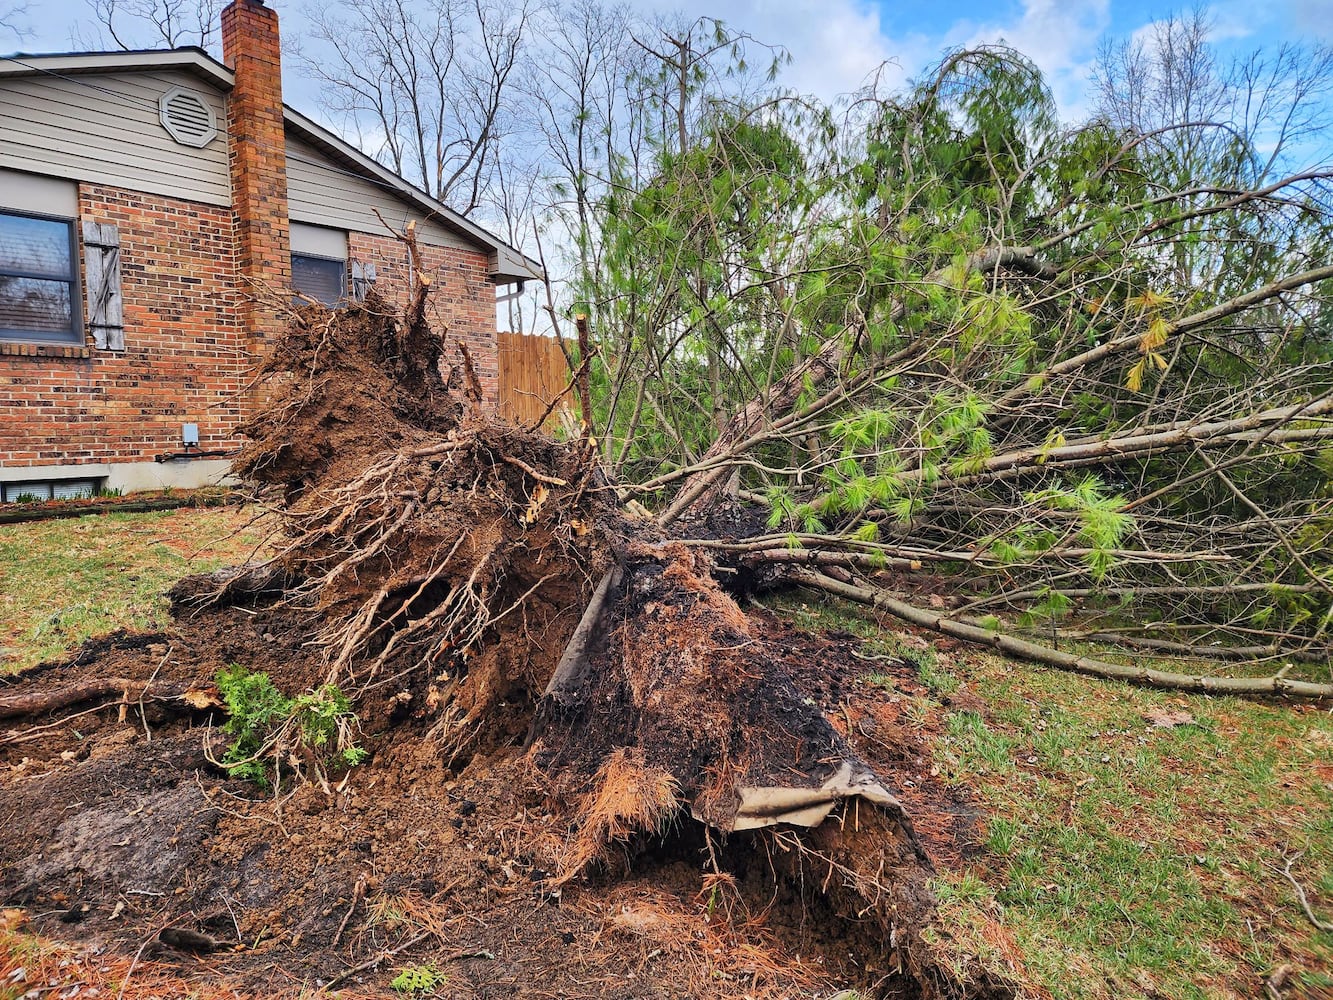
column 425, row 85
column 1209, row 123
column 1244, row 117
column 141, row 24
column 580, row 93
column 12, row 20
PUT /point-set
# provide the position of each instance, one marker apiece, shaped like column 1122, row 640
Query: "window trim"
column 343, row 294
column 75, row 336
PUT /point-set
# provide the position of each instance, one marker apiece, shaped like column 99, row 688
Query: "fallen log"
column 41, row 702
column 1273, row 685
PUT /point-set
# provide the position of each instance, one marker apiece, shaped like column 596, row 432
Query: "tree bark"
column 1277, row 685
column 95, row 688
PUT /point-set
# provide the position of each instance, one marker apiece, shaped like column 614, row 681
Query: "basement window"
column 39, row 298
column 39, row 490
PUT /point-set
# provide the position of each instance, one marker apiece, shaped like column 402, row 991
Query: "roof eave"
column 195, row 61
column 507, row 265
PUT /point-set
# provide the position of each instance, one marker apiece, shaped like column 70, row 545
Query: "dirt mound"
column 112, row 829
column 340, row 388
column 506, row 728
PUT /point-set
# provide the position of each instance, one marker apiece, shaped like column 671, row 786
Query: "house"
column 149, row 203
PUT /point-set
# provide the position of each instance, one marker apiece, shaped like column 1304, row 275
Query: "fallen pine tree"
column 487, row 590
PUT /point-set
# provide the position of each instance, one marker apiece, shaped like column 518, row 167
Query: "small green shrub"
column 353, row 756
column 256, row 707
column 318, row 713
column 419, row 979
column 266, row 724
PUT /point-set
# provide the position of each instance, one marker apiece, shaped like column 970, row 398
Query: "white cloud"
column 836, row 45
column 1060, row 36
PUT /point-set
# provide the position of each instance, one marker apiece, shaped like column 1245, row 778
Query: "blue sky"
column 837, row 44
column 846, row 39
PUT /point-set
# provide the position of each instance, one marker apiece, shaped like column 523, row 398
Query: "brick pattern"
column 258, row 160
column 19, row 350
column 461, row 301
column 186, row 357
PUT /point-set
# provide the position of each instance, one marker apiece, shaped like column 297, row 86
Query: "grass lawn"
column 1114, row 858
column 64, row 580
column 1118, row 859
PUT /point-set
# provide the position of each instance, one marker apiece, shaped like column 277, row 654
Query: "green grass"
column 1148, row 855
column 1122, row 860
column 62, row 581
column 1117, row 860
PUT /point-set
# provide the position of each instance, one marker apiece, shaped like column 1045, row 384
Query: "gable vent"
column 187, row 117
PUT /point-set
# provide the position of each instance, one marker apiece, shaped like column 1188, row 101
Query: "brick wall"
column 461, row 301
column 185, row 358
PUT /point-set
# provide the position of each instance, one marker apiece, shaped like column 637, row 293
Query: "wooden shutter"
column 101, row 247
column 363, row 277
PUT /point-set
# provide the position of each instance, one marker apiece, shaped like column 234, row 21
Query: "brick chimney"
column 258, row 160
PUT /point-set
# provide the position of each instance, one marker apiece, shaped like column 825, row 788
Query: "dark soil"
column 112, row 829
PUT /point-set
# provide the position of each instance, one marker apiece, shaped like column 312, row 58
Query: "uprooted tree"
column 982, row 347
column 1076, row 369
column 489, row 580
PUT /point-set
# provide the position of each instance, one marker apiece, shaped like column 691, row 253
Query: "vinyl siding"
column 104, row 129
column 321, row 193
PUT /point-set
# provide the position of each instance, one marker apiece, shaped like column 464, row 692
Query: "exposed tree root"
column 483, row 580
column 489, row 575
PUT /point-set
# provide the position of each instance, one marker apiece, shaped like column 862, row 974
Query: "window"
column 39, row 297
column 320, row 278
column 50, row 489
column 319, row 262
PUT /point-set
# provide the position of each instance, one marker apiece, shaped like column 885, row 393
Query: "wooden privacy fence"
column 533, row 371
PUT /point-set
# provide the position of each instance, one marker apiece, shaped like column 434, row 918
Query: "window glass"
column 38, row 284
column 37, row 247
column 35, row 305
column 321, row 278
